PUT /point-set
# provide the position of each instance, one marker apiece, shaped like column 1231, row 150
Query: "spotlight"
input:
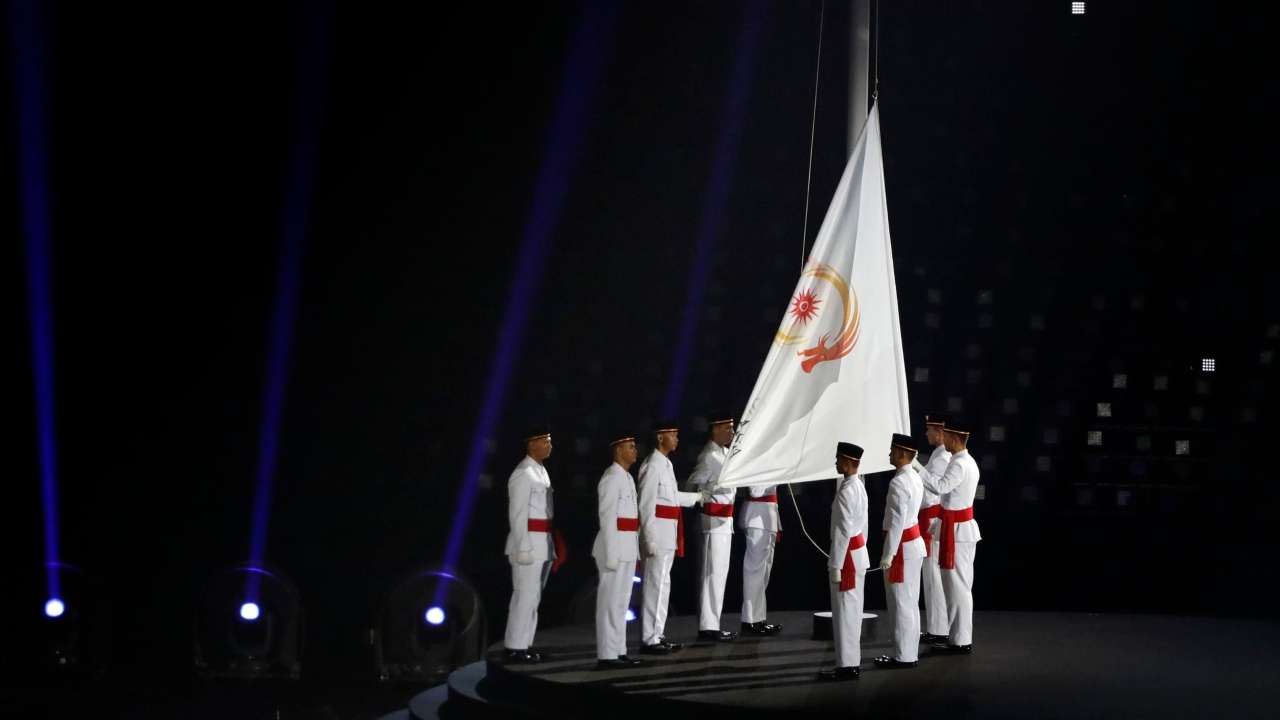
column 1208, row 365
column 72, row 629
column 249, row 626
column 1077, row 8
column 631, row 615
column 429, row 622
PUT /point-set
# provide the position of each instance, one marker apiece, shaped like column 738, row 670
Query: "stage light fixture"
column 428, row 623
column 72, row 633
column 631, row 615
column 249, row 625
column 54, row 608
column 1077, row 8
column 1208, row 365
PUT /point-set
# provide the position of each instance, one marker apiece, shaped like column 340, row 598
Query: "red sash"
column 543, row 525
column 927, row 514
column 628, row 524
column 764, row 498
column 947, row 543
column 539, row 525
column 897, row 572
column 849, row 573
column 672, row 512
column 718, row 509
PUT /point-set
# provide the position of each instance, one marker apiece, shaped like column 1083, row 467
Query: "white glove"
column 706, row 497
column 885, row 563
column 833, row 574
column 651, row 548
column 611, row 565
column 524, row 558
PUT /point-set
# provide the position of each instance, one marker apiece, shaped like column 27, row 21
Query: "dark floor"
column 1024, row 665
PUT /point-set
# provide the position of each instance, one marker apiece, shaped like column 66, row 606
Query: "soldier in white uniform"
column 902, row 556
column 616, row 549
column 935, row 621
column 662, row 535
column 958, row 538
column 530, row 548
column 758, row 519
column 717, row 530
column 847, row 564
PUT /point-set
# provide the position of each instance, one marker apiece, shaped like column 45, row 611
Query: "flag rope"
column 804, row 235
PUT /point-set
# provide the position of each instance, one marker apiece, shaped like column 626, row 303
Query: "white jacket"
column 763, row 515
column 958, row 486
column 704, row 476
column 529, row 498
column 615, row 498
column 849, row 519
column 658, row 487
column 901, row 506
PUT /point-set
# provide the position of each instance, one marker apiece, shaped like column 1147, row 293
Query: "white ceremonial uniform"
column 935, row 602
column 761, row 523
column 848, row 521
column 658, row 535
column 717, row 535
column 901, row 506
column 528, row 501
column 958, row 486
column 615, row 550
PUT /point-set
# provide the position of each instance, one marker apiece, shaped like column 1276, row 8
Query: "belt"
column 897, row 572
column 539, row 525
column 927, row 514
column 718, row 509
column 849, row 573
column 764, row 498
column 672, row 512
column 543, row 525
column 947, row 556
column 628, row 524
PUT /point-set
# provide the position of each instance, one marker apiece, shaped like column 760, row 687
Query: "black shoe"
column 760, row 629
column 840, row 673
column 658, row 648
column 632, row 661
column 717, row 635
column 522, row 657
column 672, row 646
column 929, row 639
column 885, row 662
column 947, row 649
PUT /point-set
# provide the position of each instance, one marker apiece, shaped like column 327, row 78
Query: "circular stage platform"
column 1024, row 665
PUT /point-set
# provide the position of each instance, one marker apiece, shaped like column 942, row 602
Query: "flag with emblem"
column 835, row 370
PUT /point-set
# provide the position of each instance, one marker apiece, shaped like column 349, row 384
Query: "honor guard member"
column 759, row 520
column 530, row 547
column 717, row 529
column 958, row 537
column 616, row 549
column 902, row 556
column 936, row 624
column 847, row 563
column 662, row 533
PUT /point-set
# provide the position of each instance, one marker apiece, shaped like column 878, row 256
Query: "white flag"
column 835, row 371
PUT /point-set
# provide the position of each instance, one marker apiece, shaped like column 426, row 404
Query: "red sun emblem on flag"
column 804, row 306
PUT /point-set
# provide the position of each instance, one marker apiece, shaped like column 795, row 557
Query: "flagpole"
column 861, row 58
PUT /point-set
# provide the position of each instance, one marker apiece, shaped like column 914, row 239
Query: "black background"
column 1037, row 164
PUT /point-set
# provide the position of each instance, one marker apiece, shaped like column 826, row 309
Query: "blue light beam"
column 27, row 35
column 711, row 219
column 588, row 52
column 315, row 29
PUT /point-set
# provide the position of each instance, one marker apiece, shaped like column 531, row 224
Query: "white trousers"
column 903, row 600
column 935, row 601
column 527, row 582
column 846, row 621
column 657, row 590
column 715, row 571
column 612, row 593
column 958, row 586
column 757, row 563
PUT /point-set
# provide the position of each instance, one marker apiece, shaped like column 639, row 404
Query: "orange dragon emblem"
column 805, row 307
